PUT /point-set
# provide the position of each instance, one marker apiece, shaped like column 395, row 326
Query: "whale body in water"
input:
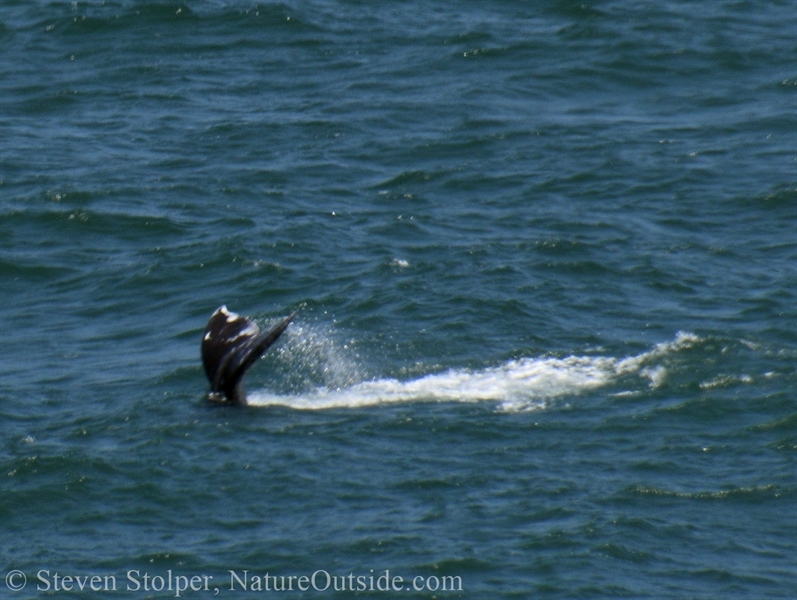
column 230, row 346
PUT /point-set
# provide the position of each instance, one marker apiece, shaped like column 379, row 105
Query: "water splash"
column 517, row 385
column 310, row 356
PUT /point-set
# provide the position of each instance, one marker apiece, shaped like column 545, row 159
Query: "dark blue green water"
column 544, row 258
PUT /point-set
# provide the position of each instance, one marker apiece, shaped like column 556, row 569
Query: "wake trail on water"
column 517, row 385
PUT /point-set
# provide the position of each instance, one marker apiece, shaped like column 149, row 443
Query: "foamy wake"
column 517, row 385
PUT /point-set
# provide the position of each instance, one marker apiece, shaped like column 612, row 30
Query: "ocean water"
column 544, row 262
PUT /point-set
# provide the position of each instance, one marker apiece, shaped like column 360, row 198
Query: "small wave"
column 517, row 385
column 751, row 493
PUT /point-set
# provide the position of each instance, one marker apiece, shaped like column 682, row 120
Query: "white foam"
column 517, row 385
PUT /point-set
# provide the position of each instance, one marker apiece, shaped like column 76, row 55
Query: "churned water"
column 544, row 260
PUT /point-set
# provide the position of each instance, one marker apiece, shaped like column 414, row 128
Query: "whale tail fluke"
column 230, row 346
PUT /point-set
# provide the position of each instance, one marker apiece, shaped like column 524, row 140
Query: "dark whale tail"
column 230, row 346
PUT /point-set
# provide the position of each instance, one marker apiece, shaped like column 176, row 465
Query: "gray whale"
column 230, row 346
